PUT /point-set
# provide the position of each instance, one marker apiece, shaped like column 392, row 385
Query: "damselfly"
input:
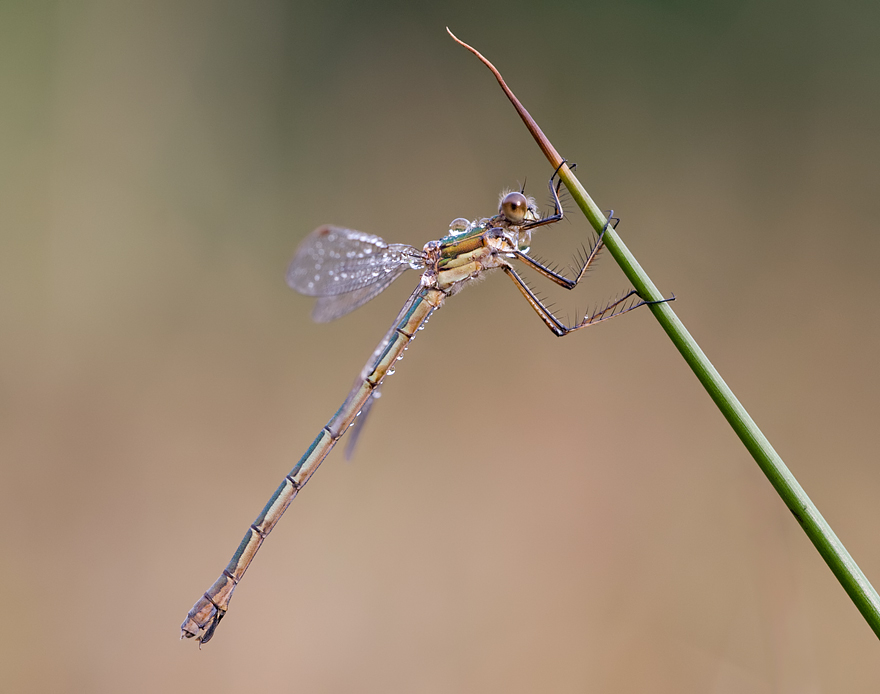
column 344, row 269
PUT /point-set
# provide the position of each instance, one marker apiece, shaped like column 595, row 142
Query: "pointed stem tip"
column 545, row 144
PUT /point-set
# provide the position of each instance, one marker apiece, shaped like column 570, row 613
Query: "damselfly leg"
column 558, row 212
column 613, row 309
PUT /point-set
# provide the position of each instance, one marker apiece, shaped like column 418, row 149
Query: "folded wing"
column 346, row 268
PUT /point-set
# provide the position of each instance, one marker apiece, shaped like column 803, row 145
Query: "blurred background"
column 523, row 513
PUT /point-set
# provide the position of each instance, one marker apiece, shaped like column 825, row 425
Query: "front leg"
column 558, row 212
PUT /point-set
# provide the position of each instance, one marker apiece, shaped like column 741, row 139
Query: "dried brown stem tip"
column 545, row 144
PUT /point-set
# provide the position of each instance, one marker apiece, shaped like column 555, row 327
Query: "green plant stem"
column 854, row 582
column 840, row 562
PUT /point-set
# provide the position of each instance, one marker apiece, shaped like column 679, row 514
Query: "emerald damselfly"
column 344, row 269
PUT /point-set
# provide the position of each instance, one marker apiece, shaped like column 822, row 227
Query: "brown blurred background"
column 524, row 514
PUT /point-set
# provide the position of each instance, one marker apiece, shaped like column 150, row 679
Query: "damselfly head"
column 516, row 208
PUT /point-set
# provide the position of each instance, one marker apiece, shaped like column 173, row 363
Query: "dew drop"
column 458, row 226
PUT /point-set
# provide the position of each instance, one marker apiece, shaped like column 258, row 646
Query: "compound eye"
column 514, row 207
